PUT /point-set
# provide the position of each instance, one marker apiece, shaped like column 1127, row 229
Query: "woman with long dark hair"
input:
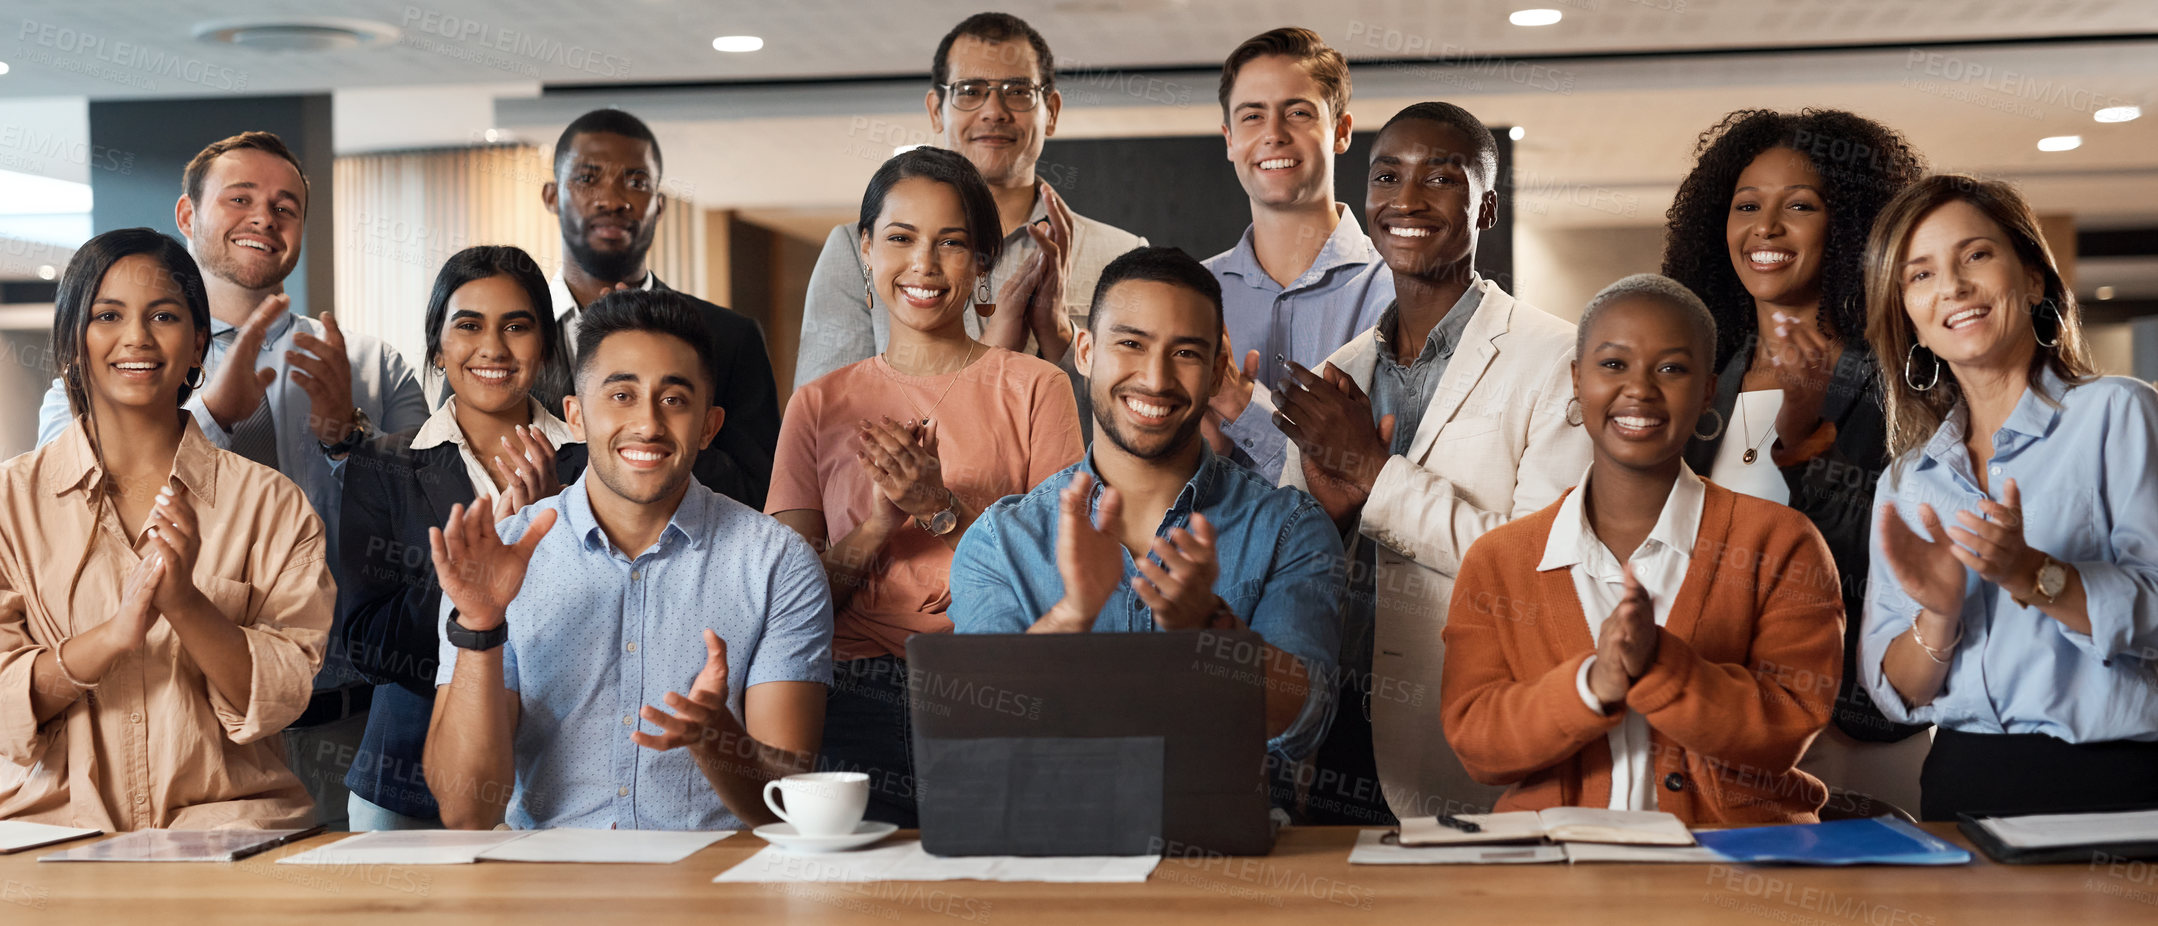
column 163, row 603
column 884, row 464
column 493, row 341
column 1769, row 229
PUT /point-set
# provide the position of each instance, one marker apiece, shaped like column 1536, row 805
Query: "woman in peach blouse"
column 163, row 603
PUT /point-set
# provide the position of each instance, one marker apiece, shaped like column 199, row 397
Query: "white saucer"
column 784, row 836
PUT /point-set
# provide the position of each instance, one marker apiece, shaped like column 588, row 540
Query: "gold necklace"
column 924, row 418
column 1754, row 452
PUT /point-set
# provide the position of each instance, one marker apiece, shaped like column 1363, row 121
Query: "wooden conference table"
column 1307, row 881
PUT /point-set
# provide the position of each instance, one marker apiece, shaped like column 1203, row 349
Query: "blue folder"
column 1878, row 841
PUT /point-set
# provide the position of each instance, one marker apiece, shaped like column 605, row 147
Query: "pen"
column 1449, row 820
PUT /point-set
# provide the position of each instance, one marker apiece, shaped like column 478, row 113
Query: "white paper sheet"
column 2038, row 831
column 652, row 847
column 1578, row 852
column 905, row 861
column 407, row 847
column 1373, row 848
column 17, row 835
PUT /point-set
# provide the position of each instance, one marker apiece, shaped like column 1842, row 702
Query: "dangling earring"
column 1573, row 411
column 2055, row 308
column 197, row 376
column 869, row 293
column 981, row 290
column 1712, row 435
column 1911, row 380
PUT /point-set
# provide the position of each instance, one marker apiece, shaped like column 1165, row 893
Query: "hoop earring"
column 1911, row 380
column 2055, row 308
column 1712, row 435
column 197, row 377
column 1573, row 411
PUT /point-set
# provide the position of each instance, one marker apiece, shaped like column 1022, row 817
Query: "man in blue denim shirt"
column 1153, row 530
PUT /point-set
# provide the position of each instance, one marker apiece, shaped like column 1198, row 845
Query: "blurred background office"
column 426, row 127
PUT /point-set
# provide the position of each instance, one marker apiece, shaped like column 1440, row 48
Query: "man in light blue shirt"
column 306, row 396
column 1303, row 279
column 580, row 615
column 1185, row 540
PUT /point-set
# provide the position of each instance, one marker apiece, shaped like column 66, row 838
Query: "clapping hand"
column 175, row 540
column 1991, row 543
column 324, row 370
column 480, row 573
column 1180, row 588
column 691, row 721
column 1931, row 572
column 528, row 472
column 901, row 460
column 1089, row 559
column 1625, row 644
column 237, row 390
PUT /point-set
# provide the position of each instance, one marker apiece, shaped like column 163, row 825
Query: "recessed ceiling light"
column 314, row 33
column 46, row 272
column 1517, row 133
column 1538, row 17
column 2105, row 292
column 496, row 135
column 2060, row 143
column 737, row 43
column 2108, row 114
column 3, row 67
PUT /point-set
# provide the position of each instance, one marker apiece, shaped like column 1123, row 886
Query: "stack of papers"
column 1558, row 824
column 905, row 861
column 1379, row 847
column 463, row 847
column 2051, row 830
column 16, row 835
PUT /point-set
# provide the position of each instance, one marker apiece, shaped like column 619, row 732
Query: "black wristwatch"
column 464, row 637
column 352, row 438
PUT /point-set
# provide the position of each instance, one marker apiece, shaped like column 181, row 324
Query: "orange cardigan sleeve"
column 1505, row 728
column 1757, row 714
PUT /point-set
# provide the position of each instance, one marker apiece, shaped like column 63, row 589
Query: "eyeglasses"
column 968, row 95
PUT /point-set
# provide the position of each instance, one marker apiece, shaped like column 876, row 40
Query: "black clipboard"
column 1995, row 849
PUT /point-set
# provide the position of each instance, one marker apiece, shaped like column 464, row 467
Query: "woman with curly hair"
column 1769, row 229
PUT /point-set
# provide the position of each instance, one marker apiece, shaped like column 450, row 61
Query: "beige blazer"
column 1494, row 445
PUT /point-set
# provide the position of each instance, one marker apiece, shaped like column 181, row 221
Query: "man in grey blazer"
column 992, row 98
column 1443, row 421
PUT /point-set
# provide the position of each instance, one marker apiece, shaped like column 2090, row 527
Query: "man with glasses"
column 993, row 99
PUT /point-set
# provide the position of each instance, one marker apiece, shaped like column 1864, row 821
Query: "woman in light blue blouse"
column 2029, row 642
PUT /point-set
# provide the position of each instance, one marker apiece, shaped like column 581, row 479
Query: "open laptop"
column 1090, row 743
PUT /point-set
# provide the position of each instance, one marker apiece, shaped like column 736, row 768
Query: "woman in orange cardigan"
column 1651, row 641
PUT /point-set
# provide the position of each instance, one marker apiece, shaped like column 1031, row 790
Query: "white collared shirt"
column 441, row 428
column 1660, row 565
column 568, row 313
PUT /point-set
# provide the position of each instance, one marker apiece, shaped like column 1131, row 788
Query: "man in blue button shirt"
column 654, row 586
column 1303, row 279
column 1152, row 530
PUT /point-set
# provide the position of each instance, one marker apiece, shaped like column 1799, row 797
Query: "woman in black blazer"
column 1769, row 229
column 493, row 340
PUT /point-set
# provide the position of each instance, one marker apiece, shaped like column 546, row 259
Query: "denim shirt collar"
column 690, row 522
column 1199, row 492
column 1444, row 337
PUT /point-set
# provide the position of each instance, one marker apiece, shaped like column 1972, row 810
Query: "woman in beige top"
column 163, row 603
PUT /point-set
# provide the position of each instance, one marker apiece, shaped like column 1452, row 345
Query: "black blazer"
column 1834, row 491
column 738, row 464
column 391, row 603
column 389, row 598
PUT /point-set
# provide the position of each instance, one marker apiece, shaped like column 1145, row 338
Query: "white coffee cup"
column 821, row 803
